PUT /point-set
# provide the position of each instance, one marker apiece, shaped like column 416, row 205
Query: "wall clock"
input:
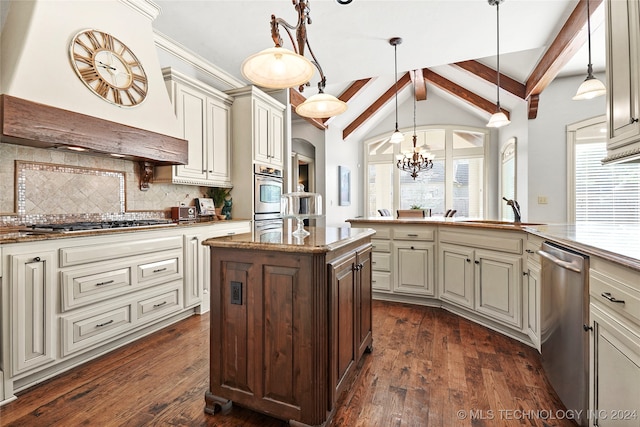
column 108, row 68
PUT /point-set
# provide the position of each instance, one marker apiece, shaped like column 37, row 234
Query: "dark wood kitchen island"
column 290, row 320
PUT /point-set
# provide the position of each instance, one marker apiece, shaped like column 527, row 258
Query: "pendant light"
column 590, row 87
column 280, row 68
column 396, row 137
column 498, row 119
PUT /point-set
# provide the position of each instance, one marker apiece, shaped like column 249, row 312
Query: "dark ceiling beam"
column 349, row 93
column 568, row 41
column 379, row 103
column 489, row 74
column 419, row 85
column 460, row 92
column 295, row 99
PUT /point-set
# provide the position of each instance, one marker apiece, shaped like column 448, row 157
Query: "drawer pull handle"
column 231, row 233
column 374, row 262
column 529, row 251
column 99, row 325
column 158, row 270
column 160, row 304
column 412, row 248
column 611, row 298
column 104, row 283
column 412, row 235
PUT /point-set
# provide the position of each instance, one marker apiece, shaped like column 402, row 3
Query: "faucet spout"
column 516, row 209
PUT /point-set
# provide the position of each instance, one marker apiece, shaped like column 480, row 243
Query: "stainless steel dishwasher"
column 564, row 338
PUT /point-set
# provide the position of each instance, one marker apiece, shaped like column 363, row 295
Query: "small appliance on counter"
column 301, row 205
column 183, row 213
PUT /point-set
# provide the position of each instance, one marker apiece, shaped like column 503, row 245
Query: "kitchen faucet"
column 516, row 208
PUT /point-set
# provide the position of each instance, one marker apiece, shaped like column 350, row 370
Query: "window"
column 599, row 193
column 456, row 181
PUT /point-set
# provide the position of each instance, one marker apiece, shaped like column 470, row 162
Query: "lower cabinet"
column 293, row 326
column 66, row 300
column 615, row 374
column 415, row 267
column 456, row 274
column 32, row 286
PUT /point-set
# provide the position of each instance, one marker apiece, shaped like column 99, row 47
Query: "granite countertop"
column 619, row 243
column 19, row 235
column 322, row 239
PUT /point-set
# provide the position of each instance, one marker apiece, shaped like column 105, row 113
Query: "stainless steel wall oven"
column 268, row 185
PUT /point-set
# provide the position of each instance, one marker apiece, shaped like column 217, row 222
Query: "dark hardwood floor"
column 428, row 368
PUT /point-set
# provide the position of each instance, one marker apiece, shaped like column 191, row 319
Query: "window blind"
column 605, row 193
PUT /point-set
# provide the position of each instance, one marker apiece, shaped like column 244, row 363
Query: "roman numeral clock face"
column 109, row 68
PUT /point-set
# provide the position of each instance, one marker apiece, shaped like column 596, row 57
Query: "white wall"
column 546, row 149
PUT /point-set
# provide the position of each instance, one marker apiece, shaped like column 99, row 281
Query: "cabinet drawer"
column 494, row 240
column 381, row 245
column 159, row 305
column 159, row 270
column 381, row 262
column 102, row 251
column 402, row 233
column 94, row 327
column 82, row 287
column 611, row 292
column 381, row 281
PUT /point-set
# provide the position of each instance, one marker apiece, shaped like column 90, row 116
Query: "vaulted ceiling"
column 449, row 45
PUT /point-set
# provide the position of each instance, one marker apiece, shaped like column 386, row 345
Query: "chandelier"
column 416, row 160
column 280, row 68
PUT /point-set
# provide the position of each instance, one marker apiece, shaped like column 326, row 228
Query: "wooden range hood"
column 37, row 125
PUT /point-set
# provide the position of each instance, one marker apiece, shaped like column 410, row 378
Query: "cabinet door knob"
column 477, row 262
column 634, row 120
column 587, row 328
column 468, row 260
column 524, row 273
column 529, row 251
column 36, row 259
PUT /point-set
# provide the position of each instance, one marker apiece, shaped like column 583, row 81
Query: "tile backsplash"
column 55, row 185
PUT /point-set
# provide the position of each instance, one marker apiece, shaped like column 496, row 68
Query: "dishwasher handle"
column 557, row 261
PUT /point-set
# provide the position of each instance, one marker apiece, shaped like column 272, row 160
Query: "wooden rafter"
column 490, row 75
column 295, row 99
column 460, row 92
column 349, row 93
column 568, row 41
column 419, row 85
column 379, row 103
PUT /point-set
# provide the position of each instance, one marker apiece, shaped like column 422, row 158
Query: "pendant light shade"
column 498, row 119
column 590, row 87
column 396, row 137
column 277, row 68
column 320, row 106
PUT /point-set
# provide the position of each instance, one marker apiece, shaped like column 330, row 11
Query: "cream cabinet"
column 482, row 271
column 614, row 345
column 204, row 115
column 32, row 287
column 258, row 128
column 381, row 260
column 623, row 79
column 414, row 260
column 531, row 290
column 70, row 299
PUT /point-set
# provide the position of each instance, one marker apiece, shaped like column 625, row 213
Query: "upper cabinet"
column 623, row 80
column 258, row 125
column 204, row 114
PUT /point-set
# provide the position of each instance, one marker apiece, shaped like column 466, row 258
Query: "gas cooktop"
column 71, row 227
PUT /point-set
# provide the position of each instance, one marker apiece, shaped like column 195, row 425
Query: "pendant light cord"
column 498, row 50
column 395, row 54
column 589, row 38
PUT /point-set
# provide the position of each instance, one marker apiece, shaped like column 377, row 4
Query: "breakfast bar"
column 290, row 320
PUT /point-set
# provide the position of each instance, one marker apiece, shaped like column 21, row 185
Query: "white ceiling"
column 351, row 41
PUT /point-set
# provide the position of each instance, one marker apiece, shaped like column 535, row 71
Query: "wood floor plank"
column 429, row 368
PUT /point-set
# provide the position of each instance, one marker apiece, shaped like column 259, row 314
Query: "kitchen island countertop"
column 320, row 239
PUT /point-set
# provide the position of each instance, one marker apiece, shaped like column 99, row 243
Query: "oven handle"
column 559, row 262
column 269, row 178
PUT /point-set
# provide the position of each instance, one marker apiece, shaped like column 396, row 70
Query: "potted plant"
column 219, row 195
